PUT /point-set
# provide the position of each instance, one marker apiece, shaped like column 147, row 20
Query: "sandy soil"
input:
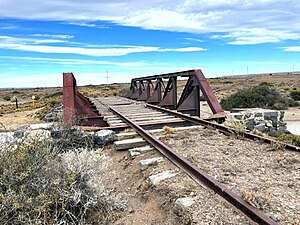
column 125, row 176
column 16, row 120
column 292, row 114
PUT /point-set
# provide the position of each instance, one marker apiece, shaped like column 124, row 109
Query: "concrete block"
column 147, row 162
column 157, row 178
column 38, row 126
column 129, row 143
column 185, row 202
column 141, row 150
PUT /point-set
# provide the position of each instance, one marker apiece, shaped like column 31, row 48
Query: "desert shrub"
column 7, row 98
column 292, row 103
column 42, row 183
column 56, row 94
column 290, row 139
column 124, row 91
column 261, row 96
column 37, row 97
column 295, row 95
column 266, row 84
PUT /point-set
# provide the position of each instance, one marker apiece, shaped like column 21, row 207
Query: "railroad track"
column 122, row 113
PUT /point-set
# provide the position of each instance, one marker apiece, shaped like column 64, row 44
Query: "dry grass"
column 55, row 181
column 256, row 199
column 238, row 125
column 103, row 90
column 169, row 130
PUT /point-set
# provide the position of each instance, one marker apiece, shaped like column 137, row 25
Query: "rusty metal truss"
column 162, row 90
column 77, row 108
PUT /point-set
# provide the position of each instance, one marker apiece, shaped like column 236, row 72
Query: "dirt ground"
column 264, row 175
column 17, row 120
column 25, row 95
column 156, row 204
column 124, row 175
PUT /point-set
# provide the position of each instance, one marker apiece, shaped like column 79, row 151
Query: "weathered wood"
column 143, row 119
column 128, row 135
column 129, row 143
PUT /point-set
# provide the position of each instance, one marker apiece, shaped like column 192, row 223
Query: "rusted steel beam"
column 167, row 75
column 223, row 128
column 155, row 98
column 189, row 101
column 77, row 108
column 199, row 175
column 169, row 99
column 135, row 90
column 208, row 93
column 69, row 84
column 144, row 91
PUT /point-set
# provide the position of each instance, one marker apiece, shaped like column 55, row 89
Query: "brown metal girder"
column 206, row 90
column 189, row 101
column 131, row 89
column 199, row 175
column 135, row 91
column 69, row 85
column 169, row 100
column 145, row 92
column 167, row 75
column 191, row 105
column 76, row 105
column 155, row 98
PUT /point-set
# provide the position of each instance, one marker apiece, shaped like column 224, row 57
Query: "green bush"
column 7, row 98
column 295, row 95
column 290, row 139
column 261, row 96
column 293, row 103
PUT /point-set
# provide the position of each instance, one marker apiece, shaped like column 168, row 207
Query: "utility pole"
column 247, row 70
column 106, row 76
column 293, row 68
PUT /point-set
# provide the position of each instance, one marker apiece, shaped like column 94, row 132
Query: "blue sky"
column 39, row 40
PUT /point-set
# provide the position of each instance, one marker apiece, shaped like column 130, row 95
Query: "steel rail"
column 199, row 175
column 167, row 75
column 223, row 128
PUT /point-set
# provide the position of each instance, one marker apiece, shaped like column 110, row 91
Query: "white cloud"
column 84, row 24
column 9, row 27
column 187, row 49
column 34, row 45
column 193, row 16
column 74, row 61
column 193, row 39
column 257, row 36
column 17, row 40
column 292, row 49
column 58, row 36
